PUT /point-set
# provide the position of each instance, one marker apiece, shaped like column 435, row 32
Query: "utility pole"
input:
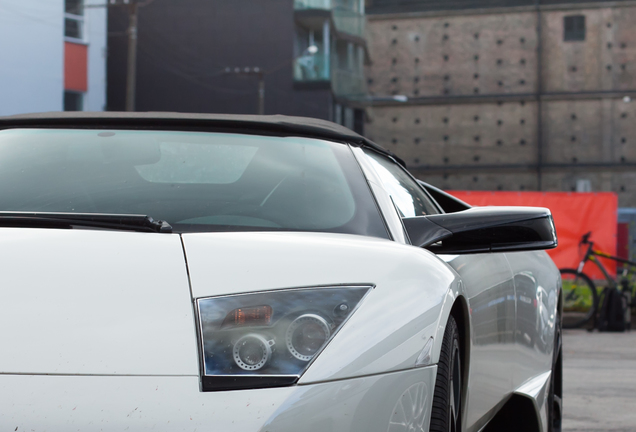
column 539, row 95
column 131, row 73
column 131, row 76
column 254, row 71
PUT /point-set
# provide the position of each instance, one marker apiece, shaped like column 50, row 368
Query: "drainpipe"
column 539, row 102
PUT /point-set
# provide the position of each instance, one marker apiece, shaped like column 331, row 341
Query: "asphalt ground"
column 599, row 381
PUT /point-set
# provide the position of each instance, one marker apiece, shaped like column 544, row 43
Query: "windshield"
column 196, row 181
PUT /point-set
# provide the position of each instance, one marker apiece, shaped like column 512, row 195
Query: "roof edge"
column 273, row 124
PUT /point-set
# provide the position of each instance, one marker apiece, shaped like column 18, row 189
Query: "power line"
column 192, row 79
column 31, row 18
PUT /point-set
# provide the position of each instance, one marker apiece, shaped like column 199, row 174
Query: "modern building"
column 295, row 57
column 52, row 56
column 507, row 94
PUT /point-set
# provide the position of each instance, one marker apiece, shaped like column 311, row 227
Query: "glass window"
column 195, row 181
column 348, row 117
column 73, row 101
column 75, row 7
column 574, row 28
column 408, row 196
column 73, row 28
column 74, row 19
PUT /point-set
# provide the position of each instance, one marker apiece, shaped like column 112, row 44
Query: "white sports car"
column 177, row 272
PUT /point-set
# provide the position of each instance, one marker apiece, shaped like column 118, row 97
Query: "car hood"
column 95, row 302
column 232, row 263
column 386, row 333
column 120, row 303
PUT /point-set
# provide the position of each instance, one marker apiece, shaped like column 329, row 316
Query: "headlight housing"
column 268, row 339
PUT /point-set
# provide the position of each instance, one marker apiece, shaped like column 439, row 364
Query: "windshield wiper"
column 130, row 222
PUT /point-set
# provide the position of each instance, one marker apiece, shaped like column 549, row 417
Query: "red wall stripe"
column 75, row 67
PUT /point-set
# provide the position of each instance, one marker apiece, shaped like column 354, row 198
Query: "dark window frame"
column 74, row 21
column 574, row 28
column 68, row 95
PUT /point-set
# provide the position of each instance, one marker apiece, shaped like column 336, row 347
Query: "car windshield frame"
column 366, row 218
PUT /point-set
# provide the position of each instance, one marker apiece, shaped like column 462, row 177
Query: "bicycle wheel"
column 580, row 299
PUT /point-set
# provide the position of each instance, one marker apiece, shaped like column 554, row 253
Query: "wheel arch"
column 460, row 312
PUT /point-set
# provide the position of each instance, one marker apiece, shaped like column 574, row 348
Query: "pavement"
column 599, row 381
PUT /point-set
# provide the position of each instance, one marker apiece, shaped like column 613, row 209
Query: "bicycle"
column 580, row 294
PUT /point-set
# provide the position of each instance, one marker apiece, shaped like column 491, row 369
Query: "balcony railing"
column 348, row 83
column 349, row 22
column 344, row 82
column 312, row 4
column 311, row 68
column 346, row 13
column 349, row 5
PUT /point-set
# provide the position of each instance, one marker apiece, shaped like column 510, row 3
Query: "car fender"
column 371, row 342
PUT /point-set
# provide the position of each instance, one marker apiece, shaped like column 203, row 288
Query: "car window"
column 195, row 181
column 408, row 196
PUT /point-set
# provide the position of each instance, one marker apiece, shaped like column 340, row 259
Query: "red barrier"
column 574, row 215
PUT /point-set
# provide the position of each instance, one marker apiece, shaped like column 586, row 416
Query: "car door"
column 537, row 298
column 490, row 288
column 490, row 293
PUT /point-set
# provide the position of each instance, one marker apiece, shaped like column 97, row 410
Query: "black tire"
column 580, row 299
column 555, row 405
column 446, row 412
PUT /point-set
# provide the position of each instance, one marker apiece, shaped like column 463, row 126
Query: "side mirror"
column 484, row 229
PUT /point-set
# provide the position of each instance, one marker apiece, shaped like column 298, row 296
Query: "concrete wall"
column 454, row 55
column 463, row 134
column 592, row 131
column 606, row 60
column 471, row 121
column 31, row 56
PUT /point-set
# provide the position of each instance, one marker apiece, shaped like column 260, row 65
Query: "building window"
column 74, row 19
column 311, row 46
column 574, row 28
column 358, row 121
column 73, row 101
column 348, row 118
column 337, row 117
column 583, row 185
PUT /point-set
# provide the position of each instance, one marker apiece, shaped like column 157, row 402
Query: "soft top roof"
column 273, row 124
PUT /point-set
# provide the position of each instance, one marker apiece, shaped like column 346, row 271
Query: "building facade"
column 303, row 57
column 507, row 94
column 53, row 56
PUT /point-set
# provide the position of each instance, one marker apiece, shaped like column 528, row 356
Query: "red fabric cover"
column 574, row 215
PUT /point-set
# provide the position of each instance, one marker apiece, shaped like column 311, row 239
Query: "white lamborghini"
column 176, row 272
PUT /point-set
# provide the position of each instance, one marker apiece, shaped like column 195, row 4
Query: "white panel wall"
column 96, row 26
column 31, row 56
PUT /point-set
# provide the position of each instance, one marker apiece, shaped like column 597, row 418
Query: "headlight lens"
column 269, row 338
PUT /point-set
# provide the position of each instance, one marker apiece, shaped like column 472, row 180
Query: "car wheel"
column 556, row 382
column 446, row 411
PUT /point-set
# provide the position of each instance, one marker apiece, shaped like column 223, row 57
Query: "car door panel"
column 489, row 288
column 536, row 284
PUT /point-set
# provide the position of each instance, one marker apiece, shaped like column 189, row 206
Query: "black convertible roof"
column 271, row 124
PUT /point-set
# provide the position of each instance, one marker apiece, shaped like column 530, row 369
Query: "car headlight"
column 269, row 338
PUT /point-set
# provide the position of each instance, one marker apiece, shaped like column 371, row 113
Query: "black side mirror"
column 484, row 229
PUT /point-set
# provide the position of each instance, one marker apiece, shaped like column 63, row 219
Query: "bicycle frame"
column 591, row 254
